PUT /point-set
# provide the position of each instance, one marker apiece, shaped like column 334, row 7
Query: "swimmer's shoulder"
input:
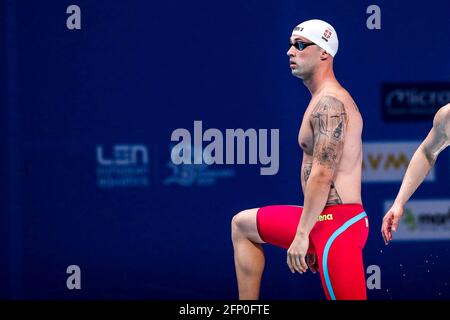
column 441, row 119
column 443, row 114
column 340, row 94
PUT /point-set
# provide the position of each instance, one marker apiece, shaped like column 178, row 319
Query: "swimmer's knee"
column 237, row 222
column 243, row 221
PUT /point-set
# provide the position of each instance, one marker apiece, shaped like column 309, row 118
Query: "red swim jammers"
column 337, row 238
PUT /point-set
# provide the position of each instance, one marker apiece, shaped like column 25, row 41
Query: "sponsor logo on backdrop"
column 423, row 220
column 122, row 165
column 196, row 174
column 413, row 101
column 388, row 161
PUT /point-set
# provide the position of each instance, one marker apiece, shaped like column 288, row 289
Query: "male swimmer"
column 329, row 232
column 420, row 165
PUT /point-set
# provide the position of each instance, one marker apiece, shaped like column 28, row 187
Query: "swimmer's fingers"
column 395, row 220
column 303, row 263
column 386, row 227
column 300, row 263
column 391, row 221
column 300, row 267
column 296, row 262
column 297, row 252
column 290, row 263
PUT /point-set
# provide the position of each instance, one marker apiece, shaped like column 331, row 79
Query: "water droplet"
column 404, row 275
column 387, row 290
column 381, row 251
column 445, row 284
column 401, row 266
column 426, row 261
column 428, row 270
column 439, row 293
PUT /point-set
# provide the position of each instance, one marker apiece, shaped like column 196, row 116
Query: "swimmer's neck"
column 319, row 80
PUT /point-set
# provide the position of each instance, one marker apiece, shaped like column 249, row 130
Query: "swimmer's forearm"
column 316, row 196
column 418, row 168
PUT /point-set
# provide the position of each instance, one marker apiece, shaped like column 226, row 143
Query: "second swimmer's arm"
column 418, row 168
column 423, row 159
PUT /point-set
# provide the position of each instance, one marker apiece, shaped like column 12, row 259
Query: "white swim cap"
column 319, row 32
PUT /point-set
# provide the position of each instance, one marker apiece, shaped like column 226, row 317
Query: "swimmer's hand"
column 296, row 254
column 390, row 222
column 311, row 259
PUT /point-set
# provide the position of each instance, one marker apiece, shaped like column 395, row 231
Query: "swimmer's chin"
column 295, row 73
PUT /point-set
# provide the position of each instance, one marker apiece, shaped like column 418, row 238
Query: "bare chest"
column 306, row 136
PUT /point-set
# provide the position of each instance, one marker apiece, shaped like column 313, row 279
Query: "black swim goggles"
column 299, row 45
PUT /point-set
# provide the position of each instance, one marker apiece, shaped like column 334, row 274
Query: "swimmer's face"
column 304, row 62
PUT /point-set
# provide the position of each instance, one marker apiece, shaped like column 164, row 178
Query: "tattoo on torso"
column 333, row 195
column 306, row 172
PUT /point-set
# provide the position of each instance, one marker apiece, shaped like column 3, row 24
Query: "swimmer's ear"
column 324, row 55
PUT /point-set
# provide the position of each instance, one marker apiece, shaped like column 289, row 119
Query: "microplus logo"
column 413, row 101
column 215, row 152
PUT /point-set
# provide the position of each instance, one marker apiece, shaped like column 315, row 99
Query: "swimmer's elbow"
column 321, row 176
column 429, row 155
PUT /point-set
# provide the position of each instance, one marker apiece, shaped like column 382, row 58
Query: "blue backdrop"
column 88, row 114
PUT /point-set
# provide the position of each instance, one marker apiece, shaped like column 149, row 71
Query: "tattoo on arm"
column 329, row 123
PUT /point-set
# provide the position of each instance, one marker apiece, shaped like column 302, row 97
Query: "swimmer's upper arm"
column 329, row 124
column 438, row 137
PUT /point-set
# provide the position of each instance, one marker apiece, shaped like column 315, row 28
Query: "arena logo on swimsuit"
column 325, row 217
column 235, row 140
